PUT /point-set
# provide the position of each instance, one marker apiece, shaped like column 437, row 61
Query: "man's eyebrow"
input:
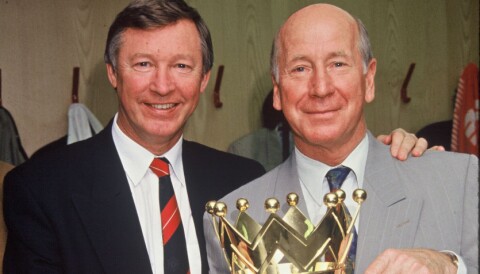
column 140, row 54
column 297, row 58
column 177, row 56
column 182, row 56
column 339, row 53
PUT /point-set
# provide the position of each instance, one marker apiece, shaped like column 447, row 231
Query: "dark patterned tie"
column 335, row 178
column 175, row 257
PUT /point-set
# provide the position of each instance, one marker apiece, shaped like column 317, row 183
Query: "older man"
column 421, row 215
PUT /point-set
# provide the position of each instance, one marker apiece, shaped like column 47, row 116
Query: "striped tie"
column 175, row 257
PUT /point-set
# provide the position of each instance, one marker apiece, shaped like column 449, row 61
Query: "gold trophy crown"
column 291, row 244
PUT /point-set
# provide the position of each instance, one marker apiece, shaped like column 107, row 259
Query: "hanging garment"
column 437, row 134
column 11, row 150
column 465, row 115
column 263, row 145
column 82, row 124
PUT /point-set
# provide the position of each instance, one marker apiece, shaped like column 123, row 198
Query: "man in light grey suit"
column 421, row 215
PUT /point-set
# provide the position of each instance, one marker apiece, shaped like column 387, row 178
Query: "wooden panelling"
column 41, row 41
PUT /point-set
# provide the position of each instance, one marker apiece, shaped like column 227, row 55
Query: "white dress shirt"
column 311, row 172
column 144, row 186
column 315, row 185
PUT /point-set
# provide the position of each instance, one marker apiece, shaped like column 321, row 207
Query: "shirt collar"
column 310, row 170
column 136, row 159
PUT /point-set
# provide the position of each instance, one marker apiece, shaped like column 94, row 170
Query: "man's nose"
column 321, row 83
column 162, row 81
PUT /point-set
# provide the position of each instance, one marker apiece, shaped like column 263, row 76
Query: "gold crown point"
column 330, row 200
column 272, row 205
column 359, row 195
column 242, row 204
column 292, row 199
column 220, row 209
column 210, row 207
column 341, row 195
column 250, row 247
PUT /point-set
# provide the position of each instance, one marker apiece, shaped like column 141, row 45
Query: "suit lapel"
column 287, row 181
column 108, row 212
column 193, row 179
column 389, row 217
column 193, row 165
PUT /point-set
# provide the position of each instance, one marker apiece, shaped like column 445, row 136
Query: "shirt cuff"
column 462, row 268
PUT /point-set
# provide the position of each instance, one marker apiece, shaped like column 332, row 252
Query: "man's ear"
column 370, row 81
column 205, row 79
column 277, row 102
column 112, row 76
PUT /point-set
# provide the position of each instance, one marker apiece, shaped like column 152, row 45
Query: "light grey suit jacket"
column 425, row 202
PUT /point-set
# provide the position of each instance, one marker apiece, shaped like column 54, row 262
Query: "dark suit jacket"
column 71, row 211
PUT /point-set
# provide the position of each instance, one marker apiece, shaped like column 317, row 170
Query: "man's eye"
column 183, row 67
column 299, row 69
column 143, row 66
column 339, row 64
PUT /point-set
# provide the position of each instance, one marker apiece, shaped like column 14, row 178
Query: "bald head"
column 317, row 13
column 328, row 17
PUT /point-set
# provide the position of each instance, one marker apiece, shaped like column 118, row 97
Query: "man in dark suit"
column 87, row 208
column 93, row 207
column 421, row 215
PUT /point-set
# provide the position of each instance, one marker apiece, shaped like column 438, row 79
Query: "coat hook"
column 216, row 90
column 403, row 91
column 76, row 75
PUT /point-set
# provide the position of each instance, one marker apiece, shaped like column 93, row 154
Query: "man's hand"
column 403, row 143
column 412, row 261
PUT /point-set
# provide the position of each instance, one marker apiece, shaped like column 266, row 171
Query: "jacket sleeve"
column 31, row 242
column 469, row 245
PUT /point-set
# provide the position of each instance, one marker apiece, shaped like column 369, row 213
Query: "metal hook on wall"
column 76, row 76
column 216, row 90
column 403, row 91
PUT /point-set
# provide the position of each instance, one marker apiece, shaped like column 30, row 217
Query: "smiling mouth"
column 327, row 111
column 162, row 106
column 322, row 112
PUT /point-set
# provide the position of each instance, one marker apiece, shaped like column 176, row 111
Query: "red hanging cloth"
column 465, row 116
